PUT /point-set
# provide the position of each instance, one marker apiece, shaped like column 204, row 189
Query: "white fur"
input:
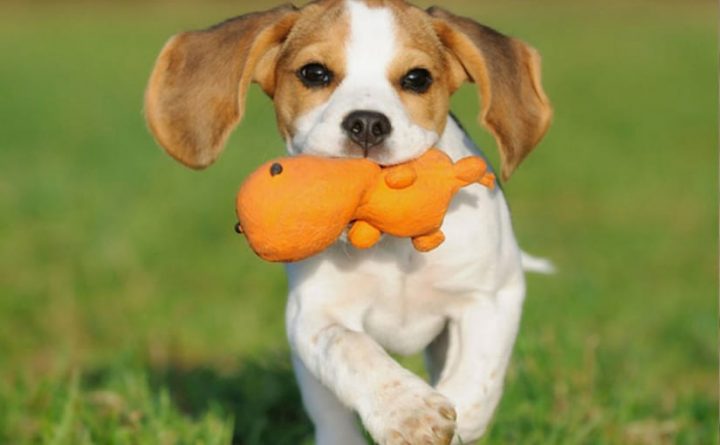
column 461, row 303
column 369, row 50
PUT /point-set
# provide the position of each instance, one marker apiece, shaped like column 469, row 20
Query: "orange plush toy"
column 292, row 208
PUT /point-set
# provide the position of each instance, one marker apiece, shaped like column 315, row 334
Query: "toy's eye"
column 276, row 169
column 315, row 75
column 238, row 228
column 417, row 80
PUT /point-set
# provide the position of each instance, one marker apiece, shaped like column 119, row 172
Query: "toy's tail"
column 474, row 169
column 488, row 180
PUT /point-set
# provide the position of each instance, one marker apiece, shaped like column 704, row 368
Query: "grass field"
column 130, row 313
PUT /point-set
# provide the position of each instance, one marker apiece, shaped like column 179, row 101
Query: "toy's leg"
column 363, row 235
column 425, row 243
column 467, row 362
column 334, row 422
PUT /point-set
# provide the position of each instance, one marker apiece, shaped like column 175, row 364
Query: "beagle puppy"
column 373, row 78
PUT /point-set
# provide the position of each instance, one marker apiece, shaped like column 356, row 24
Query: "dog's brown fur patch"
column 196, row 93
column 419, row 47
column 315, row 38
column 507, row 72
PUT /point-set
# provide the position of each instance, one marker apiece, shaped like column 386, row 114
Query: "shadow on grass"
column 261, row 396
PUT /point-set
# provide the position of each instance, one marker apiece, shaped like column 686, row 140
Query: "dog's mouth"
column 352, row 150
column 379, row 154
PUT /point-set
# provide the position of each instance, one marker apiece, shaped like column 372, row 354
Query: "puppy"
column 373, row 78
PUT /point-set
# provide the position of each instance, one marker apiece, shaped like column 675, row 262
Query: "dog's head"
column 349, row 78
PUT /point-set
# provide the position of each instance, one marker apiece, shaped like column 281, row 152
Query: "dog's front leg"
column 396, row 407
column 334, row 422
column 468, row 361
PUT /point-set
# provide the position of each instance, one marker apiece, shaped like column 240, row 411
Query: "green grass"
column 131, row 313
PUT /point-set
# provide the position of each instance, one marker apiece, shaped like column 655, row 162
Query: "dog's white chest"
column 405, row 312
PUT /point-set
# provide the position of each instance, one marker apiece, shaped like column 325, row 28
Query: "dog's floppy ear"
column 507, row 72
column 196, row 93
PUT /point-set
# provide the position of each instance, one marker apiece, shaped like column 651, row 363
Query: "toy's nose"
column 366, row 128
column 238, row 228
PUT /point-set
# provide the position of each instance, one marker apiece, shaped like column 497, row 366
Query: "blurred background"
column 130, row 312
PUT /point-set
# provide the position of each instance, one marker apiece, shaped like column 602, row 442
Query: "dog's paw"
column 420, row 417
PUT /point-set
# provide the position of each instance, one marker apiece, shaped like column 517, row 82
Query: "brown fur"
column 197, row 90
column 314, row 39
column 420, row 47
column 507, row 71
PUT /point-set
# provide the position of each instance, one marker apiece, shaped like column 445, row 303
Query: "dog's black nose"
column 367, row 128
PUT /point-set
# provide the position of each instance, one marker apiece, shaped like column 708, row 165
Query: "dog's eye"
column 417, row 80
column 315, row 75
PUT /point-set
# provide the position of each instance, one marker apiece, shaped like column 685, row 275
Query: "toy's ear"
column 196, row 93
column 400, row 176
column 507, row 72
